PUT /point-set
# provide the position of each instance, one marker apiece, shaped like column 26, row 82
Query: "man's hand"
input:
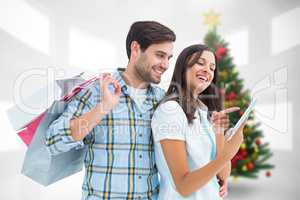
column 109, row 98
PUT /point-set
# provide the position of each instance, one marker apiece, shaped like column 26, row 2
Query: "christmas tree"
column 253, row 153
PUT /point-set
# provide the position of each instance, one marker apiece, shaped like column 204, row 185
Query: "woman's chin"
column 201, row 88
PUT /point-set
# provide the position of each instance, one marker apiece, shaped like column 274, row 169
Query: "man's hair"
column 147, row 33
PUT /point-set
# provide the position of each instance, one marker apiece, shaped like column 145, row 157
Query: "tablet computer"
column 244, row 118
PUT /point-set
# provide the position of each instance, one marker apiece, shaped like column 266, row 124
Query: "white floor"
column 284, row 183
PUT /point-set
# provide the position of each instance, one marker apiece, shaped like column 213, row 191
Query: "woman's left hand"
column 220, row 120
column 223, row 188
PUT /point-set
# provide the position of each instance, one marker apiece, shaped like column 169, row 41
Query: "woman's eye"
column 200, row 63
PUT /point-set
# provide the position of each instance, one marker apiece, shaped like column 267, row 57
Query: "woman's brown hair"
column 179, row 91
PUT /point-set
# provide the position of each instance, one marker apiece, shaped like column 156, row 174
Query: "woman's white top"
column 169, row 122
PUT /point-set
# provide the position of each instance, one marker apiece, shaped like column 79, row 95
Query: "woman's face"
column 201, row 74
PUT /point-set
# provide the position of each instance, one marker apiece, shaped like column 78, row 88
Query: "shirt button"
column 140, row 177
column 140, row 135
column 139, row 197
column 141, row 115
column 140, row 156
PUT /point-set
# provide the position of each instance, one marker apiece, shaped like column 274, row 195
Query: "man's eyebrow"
column 162, row 52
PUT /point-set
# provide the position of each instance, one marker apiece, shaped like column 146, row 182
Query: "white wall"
column 90, row 35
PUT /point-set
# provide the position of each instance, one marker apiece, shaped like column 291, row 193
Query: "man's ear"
column 135, row 49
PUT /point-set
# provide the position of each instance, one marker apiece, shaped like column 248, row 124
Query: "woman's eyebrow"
column 212, row 64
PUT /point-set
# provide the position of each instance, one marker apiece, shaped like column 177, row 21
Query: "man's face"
column 154, row 61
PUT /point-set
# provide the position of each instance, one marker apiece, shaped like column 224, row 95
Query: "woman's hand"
column 232, row 146
column 220, row 120
column 223, row 188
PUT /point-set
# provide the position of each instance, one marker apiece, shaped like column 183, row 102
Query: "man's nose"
column 165, row 64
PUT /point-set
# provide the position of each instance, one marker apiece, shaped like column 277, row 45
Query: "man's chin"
column 155, row 80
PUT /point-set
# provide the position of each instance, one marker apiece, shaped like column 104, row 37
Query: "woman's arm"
column 187, row 181
column 220, row 122
column 226, row 170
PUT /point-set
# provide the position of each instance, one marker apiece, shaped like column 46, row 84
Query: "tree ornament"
column 258, row 142
column 221, row 52
column 256, row 149
column 211, row 19
column 231, row 96
column 254, row 156
column 250, row 166
column 243, row 146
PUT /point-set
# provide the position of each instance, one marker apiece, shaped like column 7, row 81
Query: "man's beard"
column 143, row 74
column 144, row 71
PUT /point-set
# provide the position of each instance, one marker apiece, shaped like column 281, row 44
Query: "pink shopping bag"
column 27, row 133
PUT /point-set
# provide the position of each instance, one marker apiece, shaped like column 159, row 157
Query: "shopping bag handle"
column 78, row 88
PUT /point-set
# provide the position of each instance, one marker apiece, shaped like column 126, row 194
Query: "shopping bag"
column 19, row 118
column 39, row 164
column 28, row 130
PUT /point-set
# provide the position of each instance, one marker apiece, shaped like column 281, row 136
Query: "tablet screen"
column 244, row 118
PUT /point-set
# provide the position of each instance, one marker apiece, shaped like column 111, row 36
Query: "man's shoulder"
column 158, row 92
column 90, row 93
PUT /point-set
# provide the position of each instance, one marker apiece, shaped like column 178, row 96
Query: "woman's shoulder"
column 170, row 110
column 169, row 106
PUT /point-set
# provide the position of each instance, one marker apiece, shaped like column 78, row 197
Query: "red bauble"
column 258, row 142
column 231, row 96
column 241, row 112
column 250, row 166
column 233, row 163
column 243, row 153
column 221, row 52
column 268, row 174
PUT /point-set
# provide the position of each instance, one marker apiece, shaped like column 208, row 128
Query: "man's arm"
column 81, row 116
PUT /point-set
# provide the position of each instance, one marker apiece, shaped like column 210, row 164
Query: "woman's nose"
column 205, row 68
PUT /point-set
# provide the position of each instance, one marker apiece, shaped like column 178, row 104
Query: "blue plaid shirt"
column 120, row 161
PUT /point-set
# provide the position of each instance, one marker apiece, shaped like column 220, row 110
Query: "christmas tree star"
column 211, row 19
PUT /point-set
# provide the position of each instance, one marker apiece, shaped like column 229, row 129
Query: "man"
column 112, row 120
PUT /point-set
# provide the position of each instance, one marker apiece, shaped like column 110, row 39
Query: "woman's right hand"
column 232, row 146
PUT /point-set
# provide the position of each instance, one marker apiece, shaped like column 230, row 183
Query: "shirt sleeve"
column 169, row 122
column 58, row 135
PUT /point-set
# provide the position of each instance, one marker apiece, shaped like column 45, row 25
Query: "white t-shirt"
column 169, row 122
column 138, row 95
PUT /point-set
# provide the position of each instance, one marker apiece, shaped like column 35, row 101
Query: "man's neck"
column 133, row 79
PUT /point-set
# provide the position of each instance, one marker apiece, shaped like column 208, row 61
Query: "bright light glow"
column 90, row 52
column 239, row 46
column 285, row 31
column 25, row 23
column 276, row 124
column 10, row 141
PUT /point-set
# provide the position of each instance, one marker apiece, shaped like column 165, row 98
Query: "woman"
column 190, row 149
